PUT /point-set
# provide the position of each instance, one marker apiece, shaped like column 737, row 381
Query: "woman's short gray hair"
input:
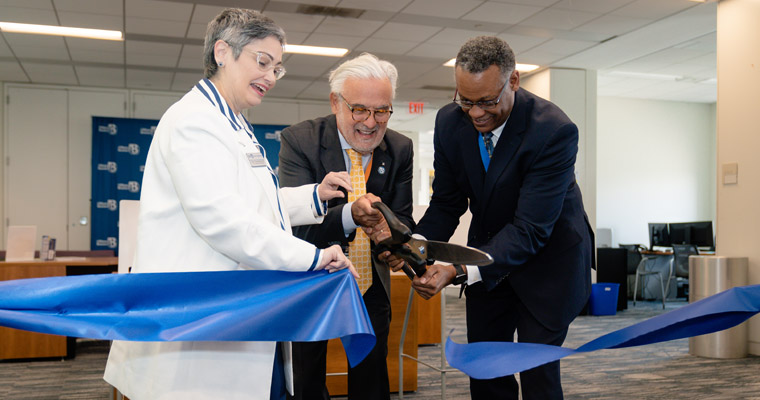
column 237, row 27
column 480, row 53
column 365, row 66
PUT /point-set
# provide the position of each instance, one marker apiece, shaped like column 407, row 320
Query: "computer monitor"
column 699, row 234
column 658, row 235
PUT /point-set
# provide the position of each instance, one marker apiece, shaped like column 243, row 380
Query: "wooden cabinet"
column 422, row 328
column 18, row 344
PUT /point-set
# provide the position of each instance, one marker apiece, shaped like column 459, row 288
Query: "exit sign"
column 415, row 108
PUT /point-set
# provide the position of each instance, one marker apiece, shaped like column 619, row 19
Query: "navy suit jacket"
column 311, row 149
column 527, row 210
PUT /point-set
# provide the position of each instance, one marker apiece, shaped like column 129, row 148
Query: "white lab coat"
column 206, row 207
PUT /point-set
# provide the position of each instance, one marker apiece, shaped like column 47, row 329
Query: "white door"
column 83, row 105
column 37, row 169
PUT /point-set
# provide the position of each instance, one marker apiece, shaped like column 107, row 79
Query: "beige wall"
column 738, row 209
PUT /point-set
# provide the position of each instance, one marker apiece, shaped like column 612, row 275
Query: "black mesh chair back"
column 634, row 256
column 681, row 253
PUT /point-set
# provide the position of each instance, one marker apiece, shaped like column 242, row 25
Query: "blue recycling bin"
column 604, row 297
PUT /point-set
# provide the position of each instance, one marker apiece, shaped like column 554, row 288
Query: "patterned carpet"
column 660, row 371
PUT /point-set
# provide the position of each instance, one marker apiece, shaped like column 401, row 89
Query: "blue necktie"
column 489, row 144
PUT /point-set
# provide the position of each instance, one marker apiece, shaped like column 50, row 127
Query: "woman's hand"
column 330, row 186
column 333, row 260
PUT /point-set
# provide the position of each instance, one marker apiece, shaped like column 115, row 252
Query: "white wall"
column 655, row 163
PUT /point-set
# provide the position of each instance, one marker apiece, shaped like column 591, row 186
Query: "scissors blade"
column 449, row 252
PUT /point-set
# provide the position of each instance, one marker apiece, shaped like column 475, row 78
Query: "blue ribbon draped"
column 194, row 306
column 488, row 360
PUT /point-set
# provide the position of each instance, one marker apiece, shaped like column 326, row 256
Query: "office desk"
column 18, row 344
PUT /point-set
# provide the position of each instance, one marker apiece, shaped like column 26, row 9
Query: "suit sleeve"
column 296, row 169
column 399, row 197
column 539, row 205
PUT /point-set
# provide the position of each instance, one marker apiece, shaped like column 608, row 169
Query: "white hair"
column 365, row 66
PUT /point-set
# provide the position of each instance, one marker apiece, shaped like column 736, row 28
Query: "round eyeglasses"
column 361, row 114
column 266, row 64
column 483, row 104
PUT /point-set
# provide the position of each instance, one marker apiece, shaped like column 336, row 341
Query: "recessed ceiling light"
column 518, row 66
column 315, row 50
column 61, row 31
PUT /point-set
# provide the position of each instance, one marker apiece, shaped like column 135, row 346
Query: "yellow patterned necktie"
column 358, row 249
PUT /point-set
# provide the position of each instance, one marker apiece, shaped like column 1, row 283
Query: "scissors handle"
column 400, row 233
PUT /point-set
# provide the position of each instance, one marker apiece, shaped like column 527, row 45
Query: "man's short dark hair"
column 479, row 53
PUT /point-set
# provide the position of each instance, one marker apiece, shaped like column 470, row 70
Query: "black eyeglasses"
column 483, row 104
column 361, row 114
column 266, row 63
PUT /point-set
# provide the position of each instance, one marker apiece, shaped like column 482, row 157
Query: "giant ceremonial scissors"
column 419, row 253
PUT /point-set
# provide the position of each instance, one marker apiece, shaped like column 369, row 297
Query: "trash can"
column 604, row 297
column 709, row 275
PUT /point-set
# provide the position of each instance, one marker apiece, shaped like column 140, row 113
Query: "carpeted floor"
column 660, row 371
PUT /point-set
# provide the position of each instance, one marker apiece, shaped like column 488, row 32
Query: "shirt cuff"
column 473, row 274
column 348, row 220
column 320, row 207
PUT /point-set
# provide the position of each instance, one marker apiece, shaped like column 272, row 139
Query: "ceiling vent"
column 309, row 9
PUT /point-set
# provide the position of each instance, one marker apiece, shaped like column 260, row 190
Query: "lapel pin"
column 381, row 170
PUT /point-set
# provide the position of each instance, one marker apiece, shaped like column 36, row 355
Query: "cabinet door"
column 37, row 169
column 83, row 105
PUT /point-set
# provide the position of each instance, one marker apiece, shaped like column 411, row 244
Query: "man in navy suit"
column 510, row 155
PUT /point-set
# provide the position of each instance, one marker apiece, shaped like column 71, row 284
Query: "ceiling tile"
column 5, row 51
column 442, row 8
column 552, row 50
column 203, row 14
column 93, row 21
column 409, row 71
column 10, row 71
column 183, row 82
column 37, row 46
column 613, row 25
column 347, row 26
column 192, row 57
column 160, row 27
column 559, row 19
column 592, row 6
column 39, row 4
column 28, row 15
column 502, row 13
column 393, row 30
column 384, row 46
column 104, row 7
column 329, row 3
column 385, row 5
column 520, row 43
column 529, row 2
column 317, row 90
column 321, row 39
column 311, row 66
column 51, row 73
column 652, row 9
column 455, row 37
column 442, row 52
column 151, row 9
column 296, row 22
column 153, row 54
column 97, row 76
column 289, row 88
column 158, row 80
column 99, row 56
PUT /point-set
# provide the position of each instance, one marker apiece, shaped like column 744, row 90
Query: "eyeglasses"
column 483, row 105
column 266, row 64
column 361, row 114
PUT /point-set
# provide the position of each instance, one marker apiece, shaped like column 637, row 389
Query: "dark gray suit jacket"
column 311, row 149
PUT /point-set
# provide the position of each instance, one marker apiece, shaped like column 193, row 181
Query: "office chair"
column 634, row 254
column 681, row 253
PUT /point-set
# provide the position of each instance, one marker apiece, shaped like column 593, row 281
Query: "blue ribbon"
column 194, row 306
column 488, row 360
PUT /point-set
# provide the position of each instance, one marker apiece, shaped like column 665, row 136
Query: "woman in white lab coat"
column 211, row 202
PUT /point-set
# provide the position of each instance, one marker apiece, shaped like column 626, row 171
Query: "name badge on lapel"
column 256, row 160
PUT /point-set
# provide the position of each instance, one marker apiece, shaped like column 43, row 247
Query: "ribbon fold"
column 488, row 360
column 194, row 306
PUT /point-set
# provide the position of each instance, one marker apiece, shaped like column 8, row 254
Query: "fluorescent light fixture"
column 315, row 50
column 61, row 31
column 518, row 66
